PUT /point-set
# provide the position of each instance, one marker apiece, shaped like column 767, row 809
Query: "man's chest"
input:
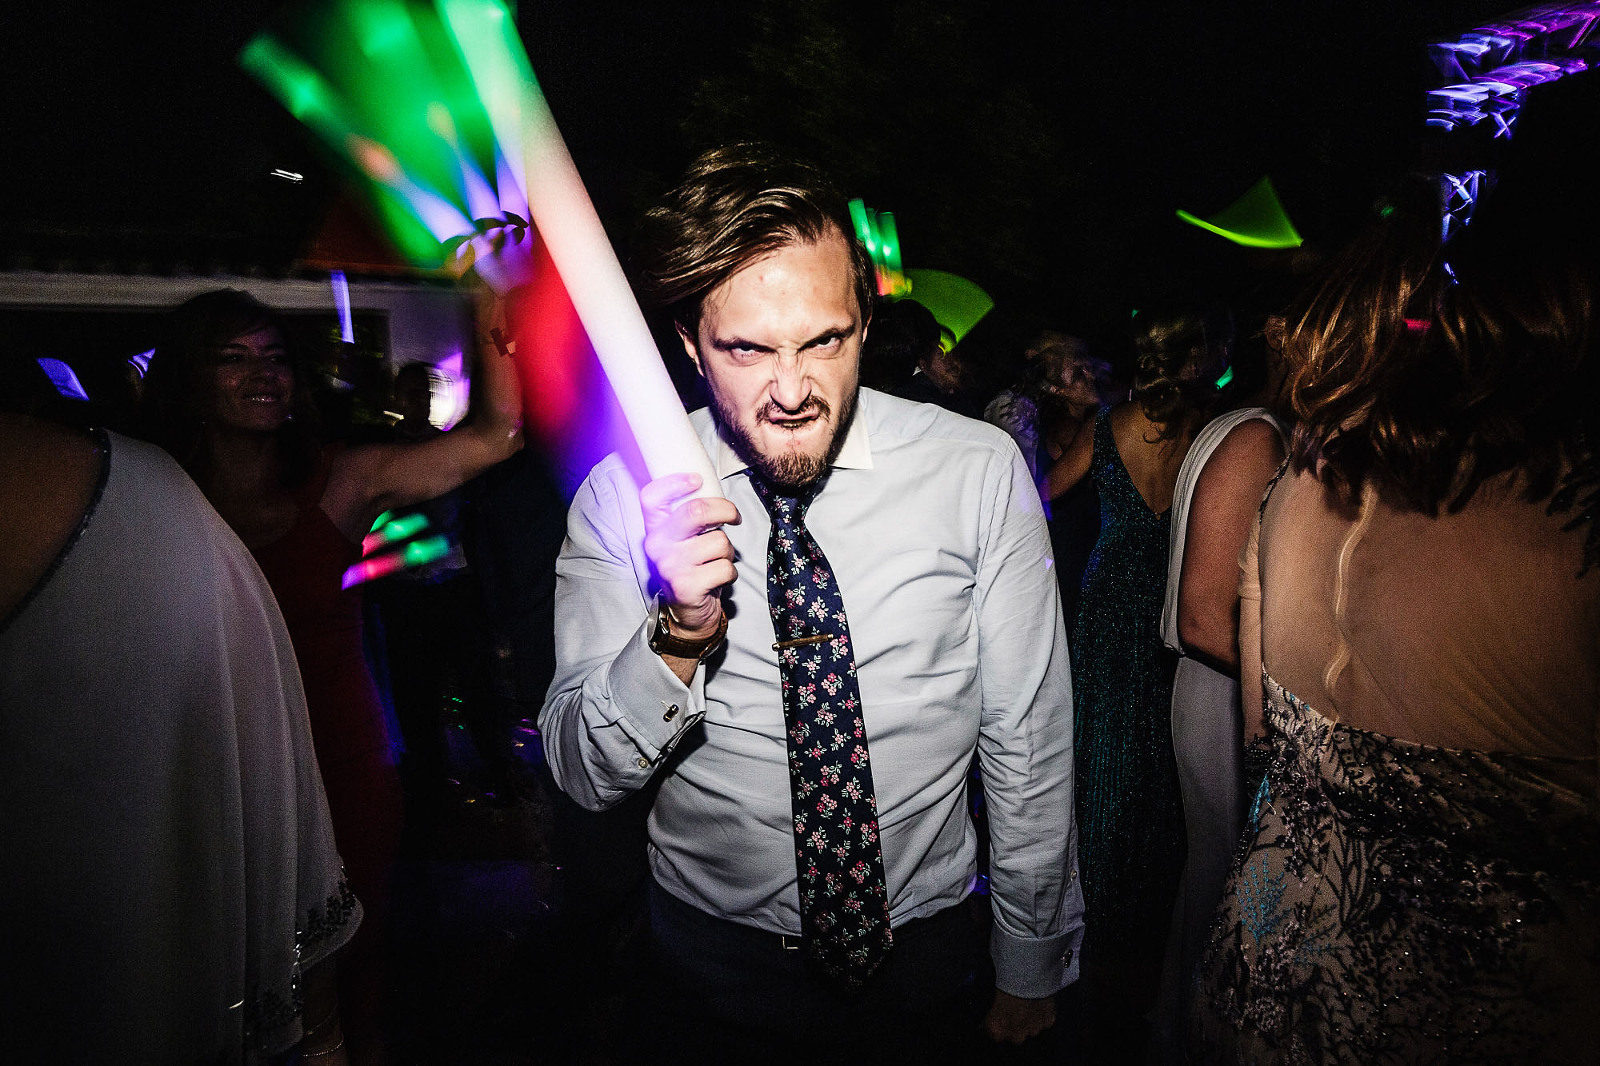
column 906, row 573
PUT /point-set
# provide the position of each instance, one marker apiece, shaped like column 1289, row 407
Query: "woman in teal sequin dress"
column 1130, row 814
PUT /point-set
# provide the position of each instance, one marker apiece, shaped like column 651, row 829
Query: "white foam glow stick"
column 486, row 37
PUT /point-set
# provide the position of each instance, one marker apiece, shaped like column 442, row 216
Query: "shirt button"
column 672, row 712
column 643, row 762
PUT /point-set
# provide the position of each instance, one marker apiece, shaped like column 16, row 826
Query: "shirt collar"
column 854, row 454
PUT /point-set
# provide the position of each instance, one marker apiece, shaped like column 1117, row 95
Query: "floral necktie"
column 844, row 904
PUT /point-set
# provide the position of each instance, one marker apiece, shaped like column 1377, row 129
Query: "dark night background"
column 1038, row 149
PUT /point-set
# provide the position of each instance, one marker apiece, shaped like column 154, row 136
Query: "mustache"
column 816, row 405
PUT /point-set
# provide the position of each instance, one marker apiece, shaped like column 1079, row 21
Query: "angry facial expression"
column 779, row 344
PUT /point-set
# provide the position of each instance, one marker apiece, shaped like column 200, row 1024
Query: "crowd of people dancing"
column 1269, row 636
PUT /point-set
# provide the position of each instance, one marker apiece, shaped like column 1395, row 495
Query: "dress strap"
column 1283, row 468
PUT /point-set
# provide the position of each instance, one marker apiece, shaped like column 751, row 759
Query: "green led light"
column 956, row 303
column 1255, row 220
column 876, row 231
column 889, row 243
column 386, row 85
column 422, row 552
column 402, row 528
column 1225, row 379
column 858, row 217
column 312, row 99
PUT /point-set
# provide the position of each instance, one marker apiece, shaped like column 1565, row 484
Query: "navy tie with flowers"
column 844, row 904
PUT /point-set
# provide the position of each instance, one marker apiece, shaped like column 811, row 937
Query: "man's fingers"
column 718, row 573
column 684, row 540
column 658, row 497
column 712, row 544
column 676, row 559
column 698, row 586
column 695, row 517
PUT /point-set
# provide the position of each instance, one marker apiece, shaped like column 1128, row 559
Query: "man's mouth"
column 796, row 420
column 793, row 423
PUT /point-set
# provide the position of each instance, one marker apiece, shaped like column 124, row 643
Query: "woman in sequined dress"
column 1130, row 816
column 1421, row 617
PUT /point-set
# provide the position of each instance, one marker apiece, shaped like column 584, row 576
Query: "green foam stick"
column 1255, row 220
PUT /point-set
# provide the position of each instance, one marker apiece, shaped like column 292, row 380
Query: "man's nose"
column 791, row 384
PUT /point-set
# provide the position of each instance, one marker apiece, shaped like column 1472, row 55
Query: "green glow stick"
column 427, row 550
column 378, row 54
column 1255, row 220
column 957, row 303
column 413, row 216
column 889, row 245
column 876, row 231
column 394, row 531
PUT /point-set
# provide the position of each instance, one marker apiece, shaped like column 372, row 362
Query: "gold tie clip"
column 797, row 641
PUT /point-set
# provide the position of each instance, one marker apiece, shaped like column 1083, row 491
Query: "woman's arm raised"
column 368, row 480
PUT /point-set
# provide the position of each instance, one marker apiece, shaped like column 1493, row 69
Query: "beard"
column 788, row 469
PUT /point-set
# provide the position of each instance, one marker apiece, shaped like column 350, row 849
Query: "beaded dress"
column 1130, row 816
column 1421, row 882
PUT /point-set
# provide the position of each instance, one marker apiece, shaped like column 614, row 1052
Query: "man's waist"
column 771, row 907
column 931, row 919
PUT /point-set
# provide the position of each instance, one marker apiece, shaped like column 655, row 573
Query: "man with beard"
column 805, row 666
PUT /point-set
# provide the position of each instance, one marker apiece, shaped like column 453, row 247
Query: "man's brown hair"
column 735, row 205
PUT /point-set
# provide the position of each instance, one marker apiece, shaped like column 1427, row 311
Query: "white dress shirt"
column 937, row 538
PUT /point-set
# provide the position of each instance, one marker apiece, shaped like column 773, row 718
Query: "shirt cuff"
column 1030, row 968
column 655, row 708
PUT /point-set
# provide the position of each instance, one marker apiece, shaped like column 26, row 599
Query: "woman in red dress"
column 226, row 397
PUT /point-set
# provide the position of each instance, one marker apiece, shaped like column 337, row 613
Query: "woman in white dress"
column 171, row 885
column 1219, row 488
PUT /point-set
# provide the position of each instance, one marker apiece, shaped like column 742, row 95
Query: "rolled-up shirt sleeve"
column 614, row 710
column 1025, row 744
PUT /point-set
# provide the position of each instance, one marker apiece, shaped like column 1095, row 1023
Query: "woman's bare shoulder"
column 48, row 478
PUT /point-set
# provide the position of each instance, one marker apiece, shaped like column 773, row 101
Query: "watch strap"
column 665, row 642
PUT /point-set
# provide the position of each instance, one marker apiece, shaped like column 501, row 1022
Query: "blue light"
column 341, row 300
column 62, row 377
